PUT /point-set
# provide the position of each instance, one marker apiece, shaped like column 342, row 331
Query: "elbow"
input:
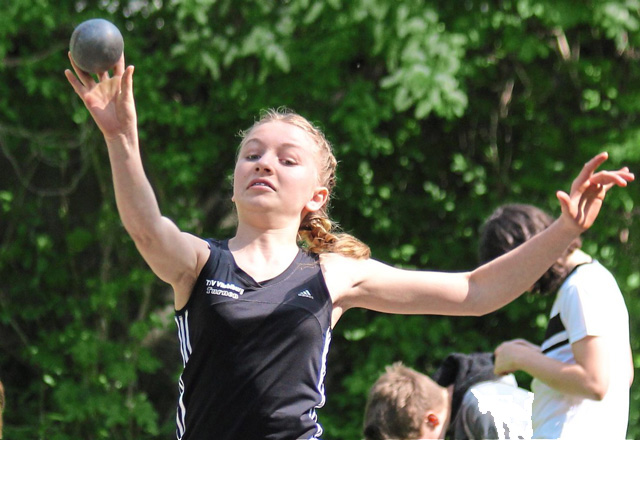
column 479, row 312
column 598, row 395
column 485, row 310
column 141, row 238
column 481, row 308
column 144, row 234
column 144, row 240
column 597, row 390
column 481, row 300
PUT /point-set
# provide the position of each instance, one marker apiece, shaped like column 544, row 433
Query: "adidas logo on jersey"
column 305, row 293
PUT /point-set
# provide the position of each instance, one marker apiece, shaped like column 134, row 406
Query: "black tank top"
column 254, row 353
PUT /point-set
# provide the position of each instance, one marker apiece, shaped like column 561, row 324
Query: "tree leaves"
column 438, row 111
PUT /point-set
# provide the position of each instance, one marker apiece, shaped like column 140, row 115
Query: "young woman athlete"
column 255, row 312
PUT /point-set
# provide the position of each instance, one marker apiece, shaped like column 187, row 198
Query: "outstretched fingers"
column 588, row 203
column 82, row 76
column 127, row 81
column 119, row 68
column 125, row 93
column 582, row 181
column 589, row 189
column 608, row 179
column 80, row 88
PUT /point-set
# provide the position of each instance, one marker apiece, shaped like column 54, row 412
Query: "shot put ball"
column 96, row 45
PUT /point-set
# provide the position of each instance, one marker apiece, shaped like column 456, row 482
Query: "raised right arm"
column 175, row 257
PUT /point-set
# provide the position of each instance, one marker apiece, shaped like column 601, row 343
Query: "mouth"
column 261, row 183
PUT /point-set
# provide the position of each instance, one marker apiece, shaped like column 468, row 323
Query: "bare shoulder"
column 374, row 285
column 332, row 260
column 183, row 285
column 201, row 248
column 339, row 267
column 335, row 269
column 343, row 275
column 340, row 275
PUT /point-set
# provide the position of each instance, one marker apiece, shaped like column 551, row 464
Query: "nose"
column 261, row 166
column 264, row 163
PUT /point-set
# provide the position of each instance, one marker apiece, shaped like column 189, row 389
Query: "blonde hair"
column 317, row 232
column 398, row 402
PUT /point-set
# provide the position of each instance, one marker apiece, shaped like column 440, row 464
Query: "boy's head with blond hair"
column 405, row 404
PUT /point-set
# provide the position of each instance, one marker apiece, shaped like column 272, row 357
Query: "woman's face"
column 277, row 170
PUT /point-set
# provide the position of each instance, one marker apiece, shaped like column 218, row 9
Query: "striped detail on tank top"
column 183, row 336
column 323, row 373
column 185, row 349
column 181, row 412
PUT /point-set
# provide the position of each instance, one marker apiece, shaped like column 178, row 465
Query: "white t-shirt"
column 509, row 405
column 588, row 303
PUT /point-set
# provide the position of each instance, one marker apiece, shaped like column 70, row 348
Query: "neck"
column 278, row 235
column 577, row 257
column 254, row 224
column 263, row 254
column 448, row 402
column 445, row 412
column 268, row 243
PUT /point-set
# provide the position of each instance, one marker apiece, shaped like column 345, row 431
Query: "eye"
column 289, row 161
column 252, row 157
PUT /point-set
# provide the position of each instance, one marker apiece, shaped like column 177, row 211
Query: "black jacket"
column 464, row 371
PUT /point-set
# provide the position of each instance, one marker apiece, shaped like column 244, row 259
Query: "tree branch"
column 33, row 58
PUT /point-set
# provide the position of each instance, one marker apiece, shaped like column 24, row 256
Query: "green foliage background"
column 439, row 112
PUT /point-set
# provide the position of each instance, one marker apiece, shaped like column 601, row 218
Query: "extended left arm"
column 502, row 280
column 373, row 285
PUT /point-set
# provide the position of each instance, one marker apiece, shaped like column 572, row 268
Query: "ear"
column 432, row 420
column 319, row 199
column 430, row 428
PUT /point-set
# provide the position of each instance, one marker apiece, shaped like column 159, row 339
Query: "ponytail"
column 317, row 236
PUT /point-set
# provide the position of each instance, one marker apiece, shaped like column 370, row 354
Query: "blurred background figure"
column 463, row 400
column 583, row 370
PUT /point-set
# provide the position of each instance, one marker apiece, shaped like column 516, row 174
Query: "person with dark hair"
column 512, row 225
column 464, row 399
column 583, row 370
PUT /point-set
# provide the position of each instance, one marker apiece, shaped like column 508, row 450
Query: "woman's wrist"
column 568, row 226
column 127, row 141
